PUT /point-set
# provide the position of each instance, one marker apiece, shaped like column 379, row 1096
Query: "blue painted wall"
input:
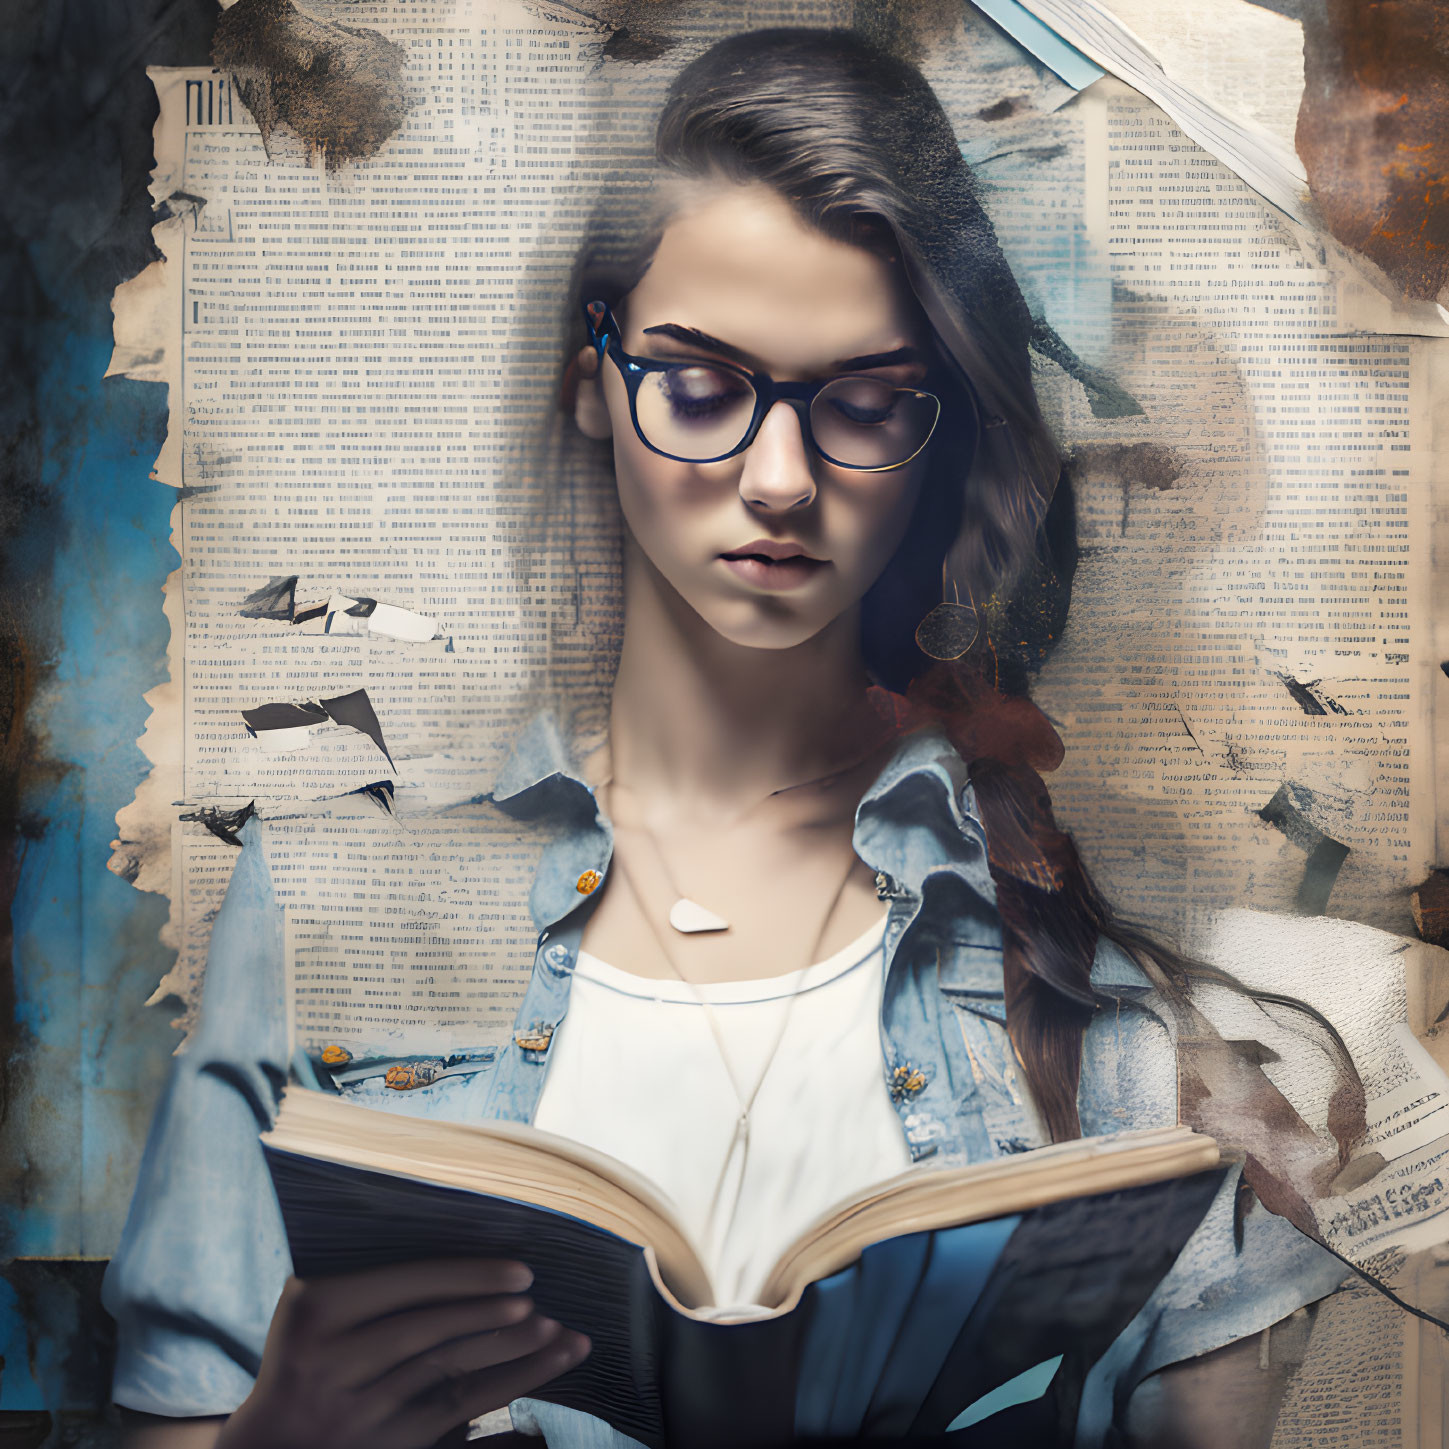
column 86, row 1058
column 84, row 552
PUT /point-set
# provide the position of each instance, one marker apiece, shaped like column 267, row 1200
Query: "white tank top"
column 635, row 1072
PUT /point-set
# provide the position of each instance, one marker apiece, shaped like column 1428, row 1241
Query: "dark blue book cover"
column 902, row 1342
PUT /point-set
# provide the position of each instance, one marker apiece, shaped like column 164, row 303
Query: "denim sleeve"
column 1216, row 1293
column 203, row 1255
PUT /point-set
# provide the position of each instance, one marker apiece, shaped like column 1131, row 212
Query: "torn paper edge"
column 146, row 331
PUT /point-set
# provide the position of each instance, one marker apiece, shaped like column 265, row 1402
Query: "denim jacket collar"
column 917, row 821
column 540, row 781
column 918, row 815
column 541, row 757
column 539, row 754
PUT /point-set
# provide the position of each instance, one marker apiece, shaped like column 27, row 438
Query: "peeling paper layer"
column 1376, row 989
column 345, row 616
column 285, row 727
column 1261, row 159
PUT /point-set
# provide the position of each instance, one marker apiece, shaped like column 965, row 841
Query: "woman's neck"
column 713, row 726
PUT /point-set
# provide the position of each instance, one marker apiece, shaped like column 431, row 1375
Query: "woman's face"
column 739, row 278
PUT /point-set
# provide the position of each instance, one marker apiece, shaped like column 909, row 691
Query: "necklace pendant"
column 688, row 918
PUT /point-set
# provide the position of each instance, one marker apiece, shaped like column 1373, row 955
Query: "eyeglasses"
column 704, row 412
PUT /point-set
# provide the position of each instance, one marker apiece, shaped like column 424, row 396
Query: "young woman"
column 805, row 918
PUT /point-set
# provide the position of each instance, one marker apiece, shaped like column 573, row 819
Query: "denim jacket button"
column 534, row 1038
column 557, row 954
column 906, row 1081
column 405, row 1076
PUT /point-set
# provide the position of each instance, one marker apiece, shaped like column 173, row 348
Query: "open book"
column 894, row 1313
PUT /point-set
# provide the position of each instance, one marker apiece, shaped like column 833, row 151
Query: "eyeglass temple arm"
column 600, row 322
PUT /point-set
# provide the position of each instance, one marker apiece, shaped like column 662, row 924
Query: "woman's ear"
column 591, row 413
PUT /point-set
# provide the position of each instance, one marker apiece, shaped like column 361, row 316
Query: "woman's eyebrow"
column 680, row 333
column 892, row 358
column 701, row 339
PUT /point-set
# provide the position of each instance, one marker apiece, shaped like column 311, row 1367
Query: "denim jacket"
column 203, row 1255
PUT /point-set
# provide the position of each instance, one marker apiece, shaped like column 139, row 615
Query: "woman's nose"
column 777, row 472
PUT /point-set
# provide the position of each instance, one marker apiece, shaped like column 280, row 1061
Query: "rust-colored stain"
column 339, row 87
column 1373, row 134
column 1430, row 902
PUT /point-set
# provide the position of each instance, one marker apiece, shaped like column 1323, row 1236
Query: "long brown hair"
column 857, row 142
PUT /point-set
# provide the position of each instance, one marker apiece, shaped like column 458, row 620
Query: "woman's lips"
column 763, row 573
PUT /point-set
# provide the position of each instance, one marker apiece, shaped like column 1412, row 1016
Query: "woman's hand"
column 393, row 1358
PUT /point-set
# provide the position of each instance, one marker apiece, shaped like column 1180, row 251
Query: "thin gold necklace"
column 741, row 1133
column 685, row 914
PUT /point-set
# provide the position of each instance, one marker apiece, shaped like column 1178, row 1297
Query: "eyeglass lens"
column 698, row 412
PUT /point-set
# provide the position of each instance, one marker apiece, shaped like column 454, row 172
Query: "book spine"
column 729, row 1384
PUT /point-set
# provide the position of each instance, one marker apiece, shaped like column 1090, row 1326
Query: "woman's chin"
column 769, row 624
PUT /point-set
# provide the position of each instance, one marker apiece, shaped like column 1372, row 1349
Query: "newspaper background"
column 359, row 360
column 356, row 355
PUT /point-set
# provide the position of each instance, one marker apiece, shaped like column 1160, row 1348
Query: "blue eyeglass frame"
column 604, row 338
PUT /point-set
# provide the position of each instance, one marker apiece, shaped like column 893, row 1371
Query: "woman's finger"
column 458, row 1359
column 456, row 1401
column 327, row 1306
column 380, row 1345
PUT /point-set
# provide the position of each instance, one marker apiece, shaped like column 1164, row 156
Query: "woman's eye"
column 694, row 391
column 863, row 401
